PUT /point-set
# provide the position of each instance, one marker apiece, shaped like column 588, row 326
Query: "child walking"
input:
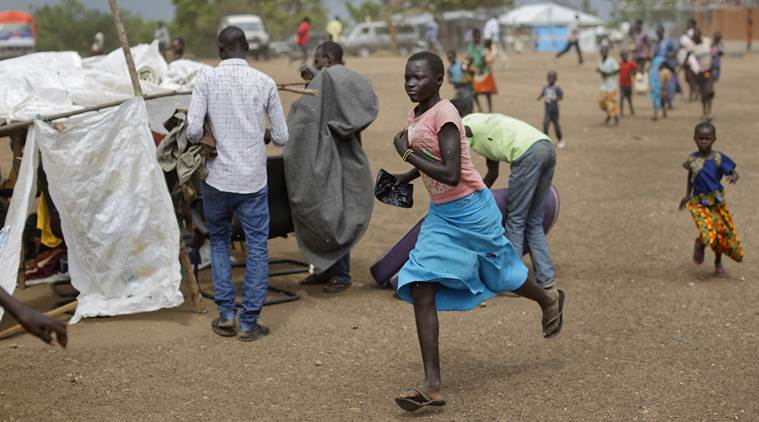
column 626, row 70
column 461, row 257
column 461, row 78
column 607, row 100
column 551, row 94
column 705, row 199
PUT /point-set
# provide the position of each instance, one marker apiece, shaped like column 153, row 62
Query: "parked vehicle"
column 17, row 34
column 253, row 26
column 369, row 37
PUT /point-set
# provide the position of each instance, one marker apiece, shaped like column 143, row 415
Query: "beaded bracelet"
column 407, row 154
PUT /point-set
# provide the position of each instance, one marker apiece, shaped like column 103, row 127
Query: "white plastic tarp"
column 116, row 213
column 547, row 14
column 21, row 203
column 49, row 83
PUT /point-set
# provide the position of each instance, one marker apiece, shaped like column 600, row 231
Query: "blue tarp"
column 550, row 38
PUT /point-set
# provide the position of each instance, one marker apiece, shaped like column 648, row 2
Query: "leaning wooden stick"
column 302, row 91
column 121, row 33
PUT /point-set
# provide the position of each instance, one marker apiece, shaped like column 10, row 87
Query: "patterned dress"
column 708, row 206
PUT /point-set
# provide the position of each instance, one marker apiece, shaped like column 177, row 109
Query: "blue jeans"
column 253, row 210
column 529, row 187
column 341, row 269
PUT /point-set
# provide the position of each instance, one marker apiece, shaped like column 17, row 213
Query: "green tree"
column 71, row 26
column 367, row 10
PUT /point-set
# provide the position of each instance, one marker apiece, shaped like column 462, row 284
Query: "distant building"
column 730, row 17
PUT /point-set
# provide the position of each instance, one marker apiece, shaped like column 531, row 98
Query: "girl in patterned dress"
column 705, row 199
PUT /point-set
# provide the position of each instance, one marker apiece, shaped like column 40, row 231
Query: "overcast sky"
column 164, row 9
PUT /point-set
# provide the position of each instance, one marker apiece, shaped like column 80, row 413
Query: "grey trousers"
column 529, row 187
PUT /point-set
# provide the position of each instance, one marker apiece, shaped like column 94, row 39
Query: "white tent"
column 547, row 14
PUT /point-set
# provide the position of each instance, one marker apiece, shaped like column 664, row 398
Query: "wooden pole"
column 18, row 329
column 190, row 281
column 125, row 46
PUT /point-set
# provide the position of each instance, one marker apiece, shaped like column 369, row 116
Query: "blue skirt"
column 463, row 248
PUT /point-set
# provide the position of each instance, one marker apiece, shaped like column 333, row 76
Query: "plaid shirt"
column 235, row 98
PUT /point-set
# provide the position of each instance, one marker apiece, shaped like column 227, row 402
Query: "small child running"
column 705, row 199
column 626, row 70
column 551, row 94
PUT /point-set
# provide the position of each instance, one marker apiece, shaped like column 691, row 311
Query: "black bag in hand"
column 402, row 196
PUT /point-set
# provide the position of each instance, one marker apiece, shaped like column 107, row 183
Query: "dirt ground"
column 648, row 336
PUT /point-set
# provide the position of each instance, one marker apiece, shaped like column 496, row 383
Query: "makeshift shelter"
column 549, row 23
column 116, row 213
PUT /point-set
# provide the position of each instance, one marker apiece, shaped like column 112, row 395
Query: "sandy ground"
column 648, row 335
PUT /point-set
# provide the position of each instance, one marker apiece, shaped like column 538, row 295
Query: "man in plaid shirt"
column 234, row 98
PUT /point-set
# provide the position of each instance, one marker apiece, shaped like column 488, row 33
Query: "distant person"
column 573, row 39
column 335, row 28
column 164, row 39
column 484, row 81
column 641, row 51
column 626, row 70
column 666, row 47
column 688, row 61
column 431, row 36
column 492, row 31
column 302, row 37
column 656, row 88
column 178, row 49
column 608, row 68
column 717, row 51
column 236, row 100
column 749, row 30
column 705, row 199
column 703, row 55
column 98, row 45
column 34, row 322
column 551, row 94
column 462, row 79
column 462, row 256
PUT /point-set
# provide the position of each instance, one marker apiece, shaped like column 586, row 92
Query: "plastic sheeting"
column 21, row 203
column 48, row 83
column 116, row 213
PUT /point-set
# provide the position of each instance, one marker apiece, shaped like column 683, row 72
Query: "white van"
column 253, row 26
column 368, row 37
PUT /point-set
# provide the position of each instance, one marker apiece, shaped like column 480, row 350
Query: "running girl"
column 462, row 256
column 705, row 199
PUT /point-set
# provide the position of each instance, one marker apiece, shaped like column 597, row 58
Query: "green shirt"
column 501, row 138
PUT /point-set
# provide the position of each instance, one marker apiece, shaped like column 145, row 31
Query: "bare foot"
column 720, row 270
column 698, row 252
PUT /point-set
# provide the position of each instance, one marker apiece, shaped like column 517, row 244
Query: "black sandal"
column 252, row 335
column 414, row 403
column 336, row 286
column 230, row 331
column 559, row 317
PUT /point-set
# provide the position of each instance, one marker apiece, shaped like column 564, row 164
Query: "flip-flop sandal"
column 559, row 317
column 314, row 279
column 223, row 331
column 253, row 335
column 412, row 404
column 335, row 286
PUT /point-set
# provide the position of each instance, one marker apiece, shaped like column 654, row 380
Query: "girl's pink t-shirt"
column 423, row 138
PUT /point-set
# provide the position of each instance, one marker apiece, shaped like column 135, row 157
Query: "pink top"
column 423, row 137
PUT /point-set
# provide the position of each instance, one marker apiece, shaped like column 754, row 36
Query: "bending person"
column 327, row 173
column 461, row 257
column 533, row 159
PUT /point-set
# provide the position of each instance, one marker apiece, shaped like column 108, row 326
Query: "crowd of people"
column 464, row 255
column 656, row 65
